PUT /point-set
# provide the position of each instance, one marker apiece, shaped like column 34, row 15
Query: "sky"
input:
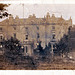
column 40, row 10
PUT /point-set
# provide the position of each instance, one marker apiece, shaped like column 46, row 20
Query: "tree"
column 13, row 54
column 12, row 49
column 39, row 48
column 39, row 52
column 62, row 45
column 47, row 49
column 3, row 12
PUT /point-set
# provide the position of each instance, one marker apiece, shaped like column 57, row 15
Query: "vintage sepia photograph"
column 37, row 36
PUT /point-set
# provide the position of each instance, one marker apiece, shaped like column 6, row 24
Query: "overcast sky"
column 40, row 10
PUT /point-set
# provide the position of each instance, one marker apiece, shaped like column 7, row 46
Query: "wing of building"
column 31, row 30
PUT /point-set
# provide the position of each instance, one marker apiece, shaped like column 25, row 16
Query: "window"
column 53, row 36
column 26, row 28
column 1, row 37
column 53, row 27
column 26, row 49
column 38, row 36
column 26, row 37
column 0, row 28
column 14, row 35
column 14, row 28
column 37, row 28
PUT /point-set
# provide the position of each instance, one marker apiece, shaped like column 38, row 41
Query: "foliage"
column 2, row 6
column 12, row 49
column 2, row 9
column 47, row 49
column 39, row 48
column 14, row 54
column 62, row 45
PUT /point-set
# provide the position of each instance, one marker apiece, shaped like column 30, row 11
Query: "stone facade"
column 31, row 30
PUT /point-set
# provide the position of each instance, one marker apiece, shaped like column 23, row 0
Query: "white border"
column 39, row 1
column 38, row 72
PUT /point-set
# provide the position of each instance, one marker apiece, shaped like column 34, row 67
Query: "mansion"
column 30, row 31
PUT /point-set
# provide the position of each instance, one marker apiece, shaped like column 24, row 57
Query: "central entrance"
column 28, row 48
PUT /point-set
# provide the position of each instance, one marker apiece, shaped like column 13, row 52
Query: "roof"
column 32, row 20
